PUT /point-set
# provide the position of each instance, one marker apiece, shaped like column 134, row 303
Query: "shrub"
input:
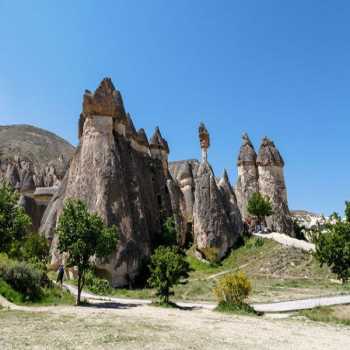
column 97, row 285
column 211, row 254
column 35, row 247
column 14, row 222
column 233, row 289
column 22, row 277
column 167, row 267
column 333, row 249
column 9, row 293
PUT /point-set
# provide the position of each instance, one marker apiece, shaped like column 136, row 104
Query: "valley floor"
column 110, row 326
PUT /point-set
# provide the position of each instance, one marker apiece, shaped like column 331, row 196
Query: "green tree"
column 14, row 222
column 335, row 217
column 35, row 247
column 259, row 207
column 347, row 211
column 333, row 248
column 169, row 233
column 167, row 267
column 83, row 235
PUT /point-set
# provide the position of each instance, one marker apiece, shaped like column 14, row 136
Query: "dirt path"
column 285, row 306
column 130, row 327
column 287, row 240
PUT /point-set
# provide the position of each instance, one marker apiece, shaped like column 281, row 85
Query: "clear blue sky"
column 275, row 68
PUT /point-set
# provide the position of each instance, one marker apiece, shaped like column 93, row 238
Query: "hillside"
column 34, row 144
column 31, row 157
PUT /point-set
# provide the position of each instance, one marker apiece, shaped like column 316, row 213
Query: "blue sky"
column 275, row 68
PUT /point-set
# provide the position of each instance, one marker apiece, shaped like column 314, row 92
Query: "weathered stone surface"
column 105, row 101
column 123, row 184
column 230, row 204
column 184, row 173
column 272, row 184
column 247, row 181
column 34, row 209
column 211, row 224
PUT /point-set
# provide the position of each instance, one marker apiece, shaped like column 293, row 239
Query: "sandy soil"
column 110, row 326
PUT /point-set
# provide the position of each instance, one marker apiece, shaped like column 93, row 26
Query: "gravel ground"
column 111, row 326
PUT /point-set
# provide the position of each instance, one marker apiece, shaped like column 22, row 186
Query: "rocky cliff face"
column 115, row 173
column 247, row 182
column 272, row 184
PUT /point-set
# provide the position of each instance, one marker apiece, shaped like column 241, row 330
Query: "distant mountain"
column 31, row 157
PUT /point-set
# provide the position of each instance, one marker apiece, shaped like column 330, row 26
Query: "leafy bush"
column 14, row 222
column 233, row 289
column 97, row 285
column 333, row 249
column 22, row 277
column 167, row 267
column 35, row 247
column 211, row 254
column 9, row 293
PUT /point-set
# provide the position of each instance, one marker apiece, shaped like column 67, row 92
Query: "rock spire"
column 272, row 184
column 247, row 182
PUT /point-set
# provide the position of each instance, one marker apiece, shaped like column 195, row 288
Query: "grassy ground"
column 276, row 273
column 335, row 314
column 49, row 296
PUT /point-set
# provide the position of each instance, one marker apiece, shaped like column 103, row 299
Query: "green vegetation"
column 14, row 222
column 335, row 314
column 83, row 235
column 333, row 247
column 168, row 266
column 97, row 285
column 232, row 291
column 259, row 207
column 211, row 254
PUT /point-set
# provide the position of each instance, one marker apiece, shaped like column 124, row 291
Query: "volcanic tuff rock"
column 115, row 173
column 272, row 184
column 247, row 182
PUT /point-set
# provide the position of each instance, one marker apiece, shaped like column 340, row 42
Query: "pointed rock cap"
column 247, row 154
column 269, row 154
column 157, row 141
column 105, row 101
column 142, row 138
column 130, row 127
column 204, row 138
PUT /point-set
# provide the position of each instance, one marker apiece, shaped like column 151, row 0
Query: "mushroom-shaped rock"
column 105, row 101
column 272, row 184
column 247, row 182
column 247, row 154
column 204, row 137
column 269, row 154
column 158, row 142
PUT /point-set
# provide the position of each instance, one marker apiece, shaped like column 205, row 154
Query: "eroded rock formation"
column 272, row 184
column 215, row 210
column 247, row 182
column 119, row 175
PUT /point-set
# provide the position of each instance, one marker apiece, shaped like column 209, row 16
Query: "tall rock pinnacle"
column 204, row 141
column 272, row 184
column 114, row 173
column 247, row 182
